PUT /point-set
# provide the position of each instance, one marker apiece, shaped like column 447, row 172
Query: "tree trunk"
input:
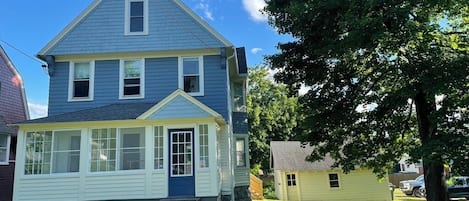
column 433, row 167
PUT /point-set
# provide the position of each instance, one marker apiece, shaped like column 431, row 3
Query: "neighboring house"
column 146, row 101
column 13, row 108
column 297, row 179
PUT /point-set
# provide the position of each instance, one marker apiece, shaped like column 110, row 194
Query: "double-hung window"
column 81, row 81
column 136, row 17
column 239, row 97
column 52, row 152
column 132, row 76
column 191, row 75
column 4, row 149
column 240, row 152
column 117, row 149
column 334, row 180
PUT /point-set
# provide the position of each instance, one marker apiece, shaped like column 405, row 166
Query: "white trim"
column 127, row 18
column 71, row 79
column 7, row 157
column 201, row 75
column 121, row 80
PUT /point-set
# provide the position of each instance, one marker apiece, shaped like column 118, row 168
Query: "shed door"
column 292, row 191
column 181, row 166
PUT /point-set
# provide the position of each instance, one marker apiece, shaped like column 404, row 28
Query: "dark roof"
column 122, row 111
column 4, row 129
column 292, row 156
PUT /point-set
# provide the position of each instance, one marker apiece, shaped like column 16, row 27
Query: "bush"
column 269, row 190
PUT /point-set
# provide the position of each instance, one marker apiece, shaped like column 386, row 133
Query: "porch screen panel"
column 66, row 151
column 132, row 148
column 203, row 148
column 159, row 157
column 38, row 153
column 103, row 150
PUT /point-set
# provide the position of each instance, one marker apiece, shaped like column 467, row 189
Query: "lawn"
column 398, row 196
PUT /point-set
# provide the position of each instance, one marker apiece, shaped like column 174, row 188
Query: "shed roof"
column 291, row 155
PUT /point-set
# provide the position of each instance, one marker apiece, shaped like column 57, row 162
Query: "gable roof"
column 12, row 68
column 291, row 155
column 120, row 111
column 177, row 13
column 191, row 103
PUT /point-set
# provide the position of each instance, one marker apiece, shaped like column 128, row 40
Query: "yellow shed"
column 299, row 180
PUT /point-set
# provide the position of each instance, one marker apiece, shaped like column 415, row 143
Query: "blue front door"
column 181, row 164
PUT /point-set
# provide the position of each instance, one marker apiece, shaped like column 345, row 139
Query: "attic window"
column 136, row 17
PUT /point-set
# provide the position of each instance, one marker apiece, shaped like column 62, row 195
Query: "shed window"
column 4, row 148
column 291, row 179
column 334, row 180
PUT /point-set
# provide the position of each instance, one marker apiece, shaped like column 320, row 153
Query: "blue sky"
column 28, row 25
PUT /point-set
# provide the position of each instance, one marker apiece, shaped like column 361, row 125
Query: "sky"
column 26, row 26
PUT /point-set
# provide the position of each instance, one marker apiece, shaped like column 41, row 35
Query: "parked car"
column 458, row 187
column 411, row 187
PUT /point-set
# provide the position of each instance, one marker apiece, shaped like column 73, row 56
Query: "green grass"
column 398, row 196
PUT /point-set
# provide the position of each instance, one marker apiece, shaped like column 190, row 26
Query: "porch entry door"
column 181, row 164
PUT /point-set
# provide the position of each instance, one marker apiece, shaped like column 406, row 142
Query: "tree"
column 272, row 115
column 386, row 78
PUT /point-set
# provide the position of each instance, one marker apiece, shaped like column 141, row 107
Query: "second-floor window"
column 136, row 17
column 132, row 78
column 191, row 75
column 240, row 152
column 81, row 82
column 239, row 97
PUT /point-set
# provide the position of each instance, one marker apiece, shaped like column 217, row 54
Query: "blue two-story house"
column 146, row 102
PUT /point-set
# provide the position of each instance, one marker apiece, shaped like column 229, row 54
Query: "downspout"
column 230, row 123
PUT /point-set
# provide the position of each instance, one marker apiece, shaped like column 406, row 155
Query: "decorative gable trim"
column 203, row 23
column 171, row 97
column 68, row 28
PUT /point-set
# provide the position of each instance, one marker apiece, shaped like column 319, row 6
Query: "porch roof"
column 120, row 111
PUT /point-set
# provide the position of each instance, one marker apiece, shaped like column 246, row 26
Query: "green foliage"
column 255, row 169
column 272, row 115
column 269, row 190
column 375, row 68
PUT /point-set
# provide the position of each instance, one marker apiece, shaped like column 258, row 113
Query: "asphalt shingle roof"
column 121, row 111
column 290, row 155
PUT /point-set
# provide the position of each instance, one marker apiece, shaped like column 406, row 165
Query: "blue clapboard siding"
column 161, row 79
column 240, row 122
column 179, row 107
column 102, row 31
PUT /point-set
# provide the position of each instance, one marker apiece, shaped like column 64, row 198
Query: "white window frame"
column 52, row 152
column 245, row 149
column 158, row 147
column 118, row 149
column 7, row 152
column 71, row 79
column 201, row 74
column 204, row 135
column 127, row 18
column 244, row 94
column 122, row 77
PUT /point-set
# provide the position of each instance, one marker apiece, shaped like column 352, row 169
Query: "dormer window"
column 136, row 17
column 81, row 81
column 132, row 78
